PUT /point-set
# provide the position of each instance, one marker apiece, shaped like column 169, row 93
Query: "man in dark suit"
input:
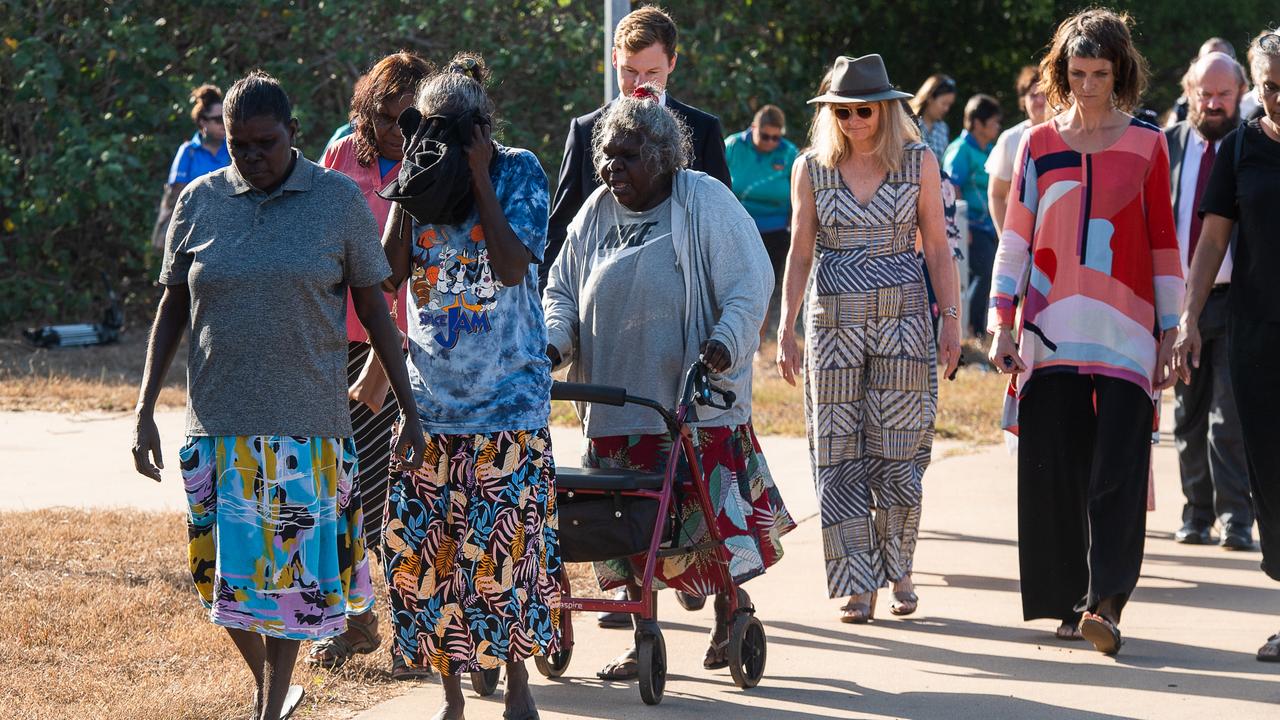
column 644, row 51
column 1206, row 430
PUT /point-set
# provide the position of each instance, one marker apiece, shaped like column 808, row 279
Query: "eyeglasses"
column 1269, row 43
column 212, row 118
column 769, row 137
column 864, row 111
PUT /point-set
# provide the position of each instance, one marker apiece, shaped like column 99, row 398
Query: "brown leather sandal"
column 904, row 603
column 860, row 612
column 360, row 638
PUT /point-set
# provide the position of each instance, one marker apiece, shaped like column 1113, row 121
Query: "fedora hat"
column 861, row 79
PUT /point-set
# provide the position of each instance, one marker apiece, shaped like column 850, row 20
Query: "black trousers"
column 1082, row 492
column 1206, row 431
column 1253, row 348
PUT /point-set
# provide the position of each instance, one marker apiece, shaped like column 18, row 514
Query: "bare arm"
column 942, row 266
column 167, row 202
column 804, row 232
column 396, row 239
column 998, row 199
column 371, row 308
column 508, row 257
column 172, row 315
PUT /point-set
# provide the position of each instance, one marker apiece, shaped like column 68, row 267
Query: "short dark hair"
column 980, row 108
column 644, row 27
column 202, row 98
column 391, row 78
column 1101, row 34
column 770, row 116
column 257, row 95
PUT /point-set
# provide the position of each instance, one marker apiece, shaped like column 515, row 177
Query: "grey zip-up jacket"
column 727, row 280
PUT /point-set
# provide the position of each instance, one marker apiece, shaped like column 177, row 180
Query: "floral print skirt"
column 274, row 540
column 470, row 552
column 749, row 510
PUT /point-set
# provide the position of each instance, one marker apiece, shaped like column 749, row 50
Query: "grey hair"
column 666, row 144
column 1261, row 55
column 452, row 93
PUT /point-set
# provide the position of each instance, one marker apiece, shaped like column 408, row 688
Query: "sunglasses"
column 1269, row 43
column 865, row 112
column 212, row 118
column 769, row 137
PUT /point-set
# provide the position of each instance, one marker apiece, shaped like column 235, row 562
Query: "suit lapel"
column 1178, row 158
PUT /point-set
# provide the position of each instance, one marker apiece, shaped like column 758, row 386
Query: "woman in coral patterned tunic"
column 1089, row 254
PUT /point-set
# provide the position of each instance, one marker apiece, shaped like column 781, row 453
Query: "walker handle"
column 582, row 392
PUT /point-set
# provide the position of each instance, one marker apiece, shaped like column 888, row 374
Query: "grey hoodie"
column 727, row 280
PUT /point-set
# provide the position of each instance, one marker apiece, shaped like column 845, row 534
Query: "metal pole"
column 614, row 10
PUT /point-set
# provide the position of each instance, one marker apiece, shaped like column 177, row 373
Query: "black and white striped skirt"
column 373, row 446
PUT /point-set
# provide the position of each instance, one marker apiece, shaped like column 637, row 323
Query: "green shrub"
column 94, row 95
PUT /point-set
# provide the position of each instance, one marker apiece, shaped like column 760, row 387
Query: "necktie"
column 1202, row 179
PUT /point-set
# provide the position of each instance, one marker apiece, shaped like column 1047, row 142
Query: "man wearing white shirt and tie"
column 1211, row 456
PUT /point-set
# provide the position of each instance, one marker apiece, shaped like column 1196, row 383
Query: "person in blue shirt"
column 760, row 161
column 204, row 153
column 965, row 162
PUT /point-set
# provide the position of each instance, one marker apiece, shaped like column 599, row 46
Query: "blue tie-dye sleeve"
column 525, row 199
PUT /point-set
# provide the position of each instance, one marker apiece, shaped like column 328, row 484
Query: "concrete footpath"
column 1197, row 617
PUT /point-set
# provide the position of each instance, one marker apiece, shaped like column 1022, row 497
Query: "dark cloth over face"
column 434, row 184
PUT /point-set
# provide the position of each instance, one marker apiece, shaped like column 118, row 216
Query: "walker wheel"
column 485, row 682
column 652, row 666
column 554, row 665
column 747, row 650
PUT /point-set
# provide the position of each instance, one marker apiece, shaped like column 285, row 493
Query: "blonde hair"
column 894, row 131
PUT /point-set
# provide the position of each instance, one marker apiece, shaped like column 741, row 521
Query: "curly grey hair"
column 666, row 144
column 1264, row 48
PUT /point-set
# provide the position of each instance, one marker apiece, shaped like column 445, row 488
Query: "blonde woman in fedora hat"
column 864, row 196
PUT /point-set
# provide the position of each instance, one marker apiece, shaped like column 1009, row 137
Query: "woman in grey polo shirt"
column 258, row 261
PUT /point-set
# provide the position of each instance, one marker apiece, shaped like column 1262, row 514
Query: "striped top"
column 1090, row 254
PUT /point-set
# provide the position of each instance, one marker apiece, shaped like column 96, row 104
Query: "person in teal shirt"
column 760, row 161
column 965, row 163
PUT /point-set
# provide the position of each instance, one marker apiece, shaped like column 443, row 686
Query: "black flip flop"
column 632, row 665
column 1272, row 641
column 292, row 699
column 1103, row 633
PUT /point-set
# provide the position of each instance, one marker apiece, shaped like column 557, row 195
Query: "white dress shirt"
column 1186, row 204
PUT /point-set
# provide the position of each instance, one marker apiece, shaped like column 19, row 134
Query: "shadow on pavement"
column 1139, row 665
column 618, row 701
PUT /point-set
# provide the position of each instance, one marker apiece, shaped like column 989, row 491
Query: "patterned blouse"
column 937, row 136
column 1089, row 252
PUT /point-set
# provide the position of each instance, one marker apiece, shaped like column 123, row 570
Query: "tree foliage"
column 93, row 95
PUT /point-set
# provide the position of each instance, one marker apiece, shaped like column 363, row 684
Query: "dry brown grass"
column 104, row 377
column 107, row 377
column 101, row 621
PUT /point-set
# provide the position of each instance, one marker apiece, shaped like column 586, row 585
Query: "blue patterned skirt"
column 274, row 535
